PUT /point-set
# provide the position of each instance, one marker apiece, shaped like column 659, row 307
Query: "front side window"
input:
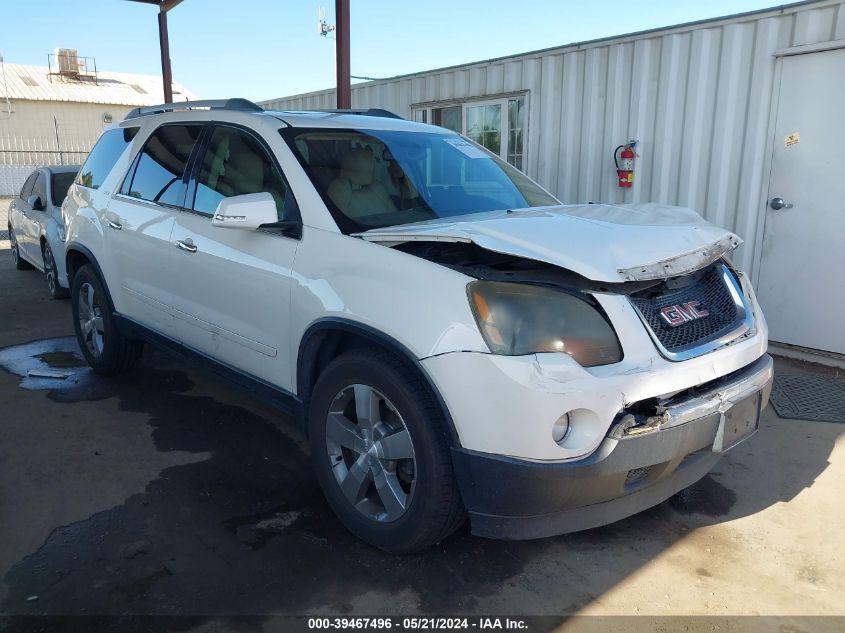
column 377, row 178
column 104, row 155
column 159, row 174
column 235, row 164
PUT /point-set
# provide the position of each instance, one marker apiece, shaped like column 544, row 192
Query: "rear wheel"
column 105, row 349
column 20, row 262
column 381, row 454
column 50, row 273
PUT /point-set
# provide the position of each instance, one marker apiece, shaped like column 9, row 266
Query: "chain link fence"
column 17, row 164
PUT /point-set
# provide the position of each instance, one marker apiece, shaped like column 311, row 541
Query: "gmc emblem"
column 682, row 313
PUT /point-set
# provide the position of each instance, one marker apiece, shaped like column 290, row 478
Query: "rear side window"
column 104, row 155
column 235, row 163
column 160, row 167
column 61, row 183
column 26, row 190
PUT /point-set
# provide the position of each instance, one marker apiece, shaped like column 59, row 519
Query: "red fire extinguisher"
column 625, row 164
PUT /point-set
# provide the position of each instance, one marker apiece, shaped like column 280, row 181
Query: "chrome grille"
column 713, row 294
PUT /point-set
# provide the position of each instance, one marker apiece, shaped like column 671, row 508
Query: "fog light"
column 560, row 429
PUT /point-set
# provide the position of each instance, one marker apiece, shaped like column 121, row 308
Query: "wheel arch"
column 329, row 337
column 77, row 256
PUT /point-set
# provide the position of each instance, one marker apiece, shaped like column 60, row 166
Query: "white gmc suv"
column 453, row 339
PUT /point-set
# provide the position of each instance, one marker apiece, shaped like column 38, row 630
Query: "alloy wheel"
column 49, row 268
column 371, row 453
column 90, row 318
column 14, row 244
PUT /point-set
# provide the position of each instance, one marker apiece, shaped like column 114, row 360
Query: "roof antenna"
column 323, row 27
column 5, row 89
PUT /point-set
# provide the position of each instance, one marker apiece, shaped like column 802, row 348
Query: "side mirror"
column 35, row 203
column 248, row 211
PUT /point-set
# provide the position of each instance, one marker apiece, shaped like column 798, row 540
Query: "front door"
column 232, row 299
column 803, row 256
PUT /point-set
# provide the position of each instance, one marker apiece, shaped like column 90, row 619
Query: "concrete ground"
column 170, row 492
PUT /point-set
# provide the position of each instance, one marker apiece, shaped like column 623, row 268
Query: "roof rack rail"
column 243, row 105
column 368, row 112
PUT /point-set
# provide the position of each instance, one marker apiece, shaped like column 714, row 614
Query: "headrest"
column 358, row 166
column 245, row 171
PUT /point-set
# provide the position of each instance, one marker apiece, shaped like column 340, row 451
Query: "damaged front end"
column 685, row 315
column 717, row 396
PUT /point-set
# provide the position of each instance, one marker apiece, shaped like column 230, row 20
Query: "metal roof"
column 33, row 83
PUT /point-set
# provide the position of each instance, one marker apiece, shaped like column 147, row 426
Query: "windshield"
column 61, row 183
column 376, row 178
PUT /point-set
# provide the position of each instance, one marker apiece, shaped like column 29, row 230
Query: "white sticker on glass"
column 467, row 148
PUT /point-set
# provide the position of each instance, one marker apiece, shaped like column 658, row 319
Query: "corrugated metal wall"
column 697, row 97
column 28, row 136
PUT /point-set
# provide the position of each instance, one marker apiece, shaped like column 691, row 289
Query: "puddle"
column 48, row 355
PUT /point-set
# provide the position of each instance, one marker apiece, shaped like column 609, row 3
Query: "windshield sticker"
column 467, row 148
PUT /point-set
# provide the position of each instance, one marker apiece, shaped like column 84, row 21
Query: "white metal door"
column 801, row 285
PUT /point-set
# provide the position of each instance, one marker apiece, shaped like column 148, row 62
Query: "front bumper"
column 635, row 467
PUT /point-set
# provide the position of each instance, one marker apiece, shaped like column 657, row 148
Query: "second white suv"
column 454, row 341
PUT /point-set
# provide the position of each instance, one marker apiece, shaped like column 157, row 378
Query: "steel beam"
column 344, row 88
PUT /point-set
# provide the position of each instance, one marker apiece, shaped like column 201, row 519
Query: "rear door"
column 140, row 221
column 232, row 300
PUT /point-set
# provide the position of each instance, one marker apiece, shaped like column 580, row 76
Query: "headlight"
column 518, row 319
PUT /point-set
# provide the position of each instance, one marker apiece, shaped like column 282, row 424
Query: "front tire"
column 380, row 453
column 20, row 262
column 105, row 349
column 51, row 273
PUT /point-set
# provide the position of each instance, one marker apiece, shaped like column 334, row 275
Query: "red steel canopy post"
column 344, row 88
column 164, row 43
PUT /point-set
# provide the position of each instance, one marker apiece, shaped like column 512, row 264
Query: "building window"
column 448, row 117
column 497, row 124
column 484, row 125
column 516, row 125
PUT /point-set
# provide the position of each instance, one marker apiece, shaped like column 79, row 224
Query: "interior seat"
column 356, row 193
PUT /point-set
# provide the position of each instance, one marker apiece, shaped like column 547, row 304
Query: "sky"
column 263, row 49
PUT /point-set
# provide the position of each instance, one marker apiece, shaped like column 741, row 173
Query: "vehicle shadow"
column 246, row 531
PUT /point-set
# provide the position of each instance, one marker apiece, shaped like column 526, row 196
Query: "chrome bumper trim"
column 757, row 377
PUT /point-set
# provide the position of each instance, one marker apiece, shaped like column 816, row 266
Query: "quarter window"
column 160, row 167
column 236, row 164
column 40, row 188
column 104, row 155
column 26, row 190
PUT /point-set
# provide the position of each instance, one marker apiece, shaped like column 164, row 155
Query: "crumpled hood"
column 602, row 242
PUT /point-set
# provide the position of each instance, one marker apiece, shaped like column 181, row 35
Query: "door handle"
column 779, row 203
column 115, row 225
column 186, row 245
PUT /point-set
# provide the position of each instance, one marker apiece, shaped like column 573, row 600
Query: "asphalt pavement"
column 170, row 492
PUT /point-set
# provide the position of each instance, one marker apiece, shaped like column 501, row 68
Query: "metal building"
column 729, row 113
column 53, row 115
